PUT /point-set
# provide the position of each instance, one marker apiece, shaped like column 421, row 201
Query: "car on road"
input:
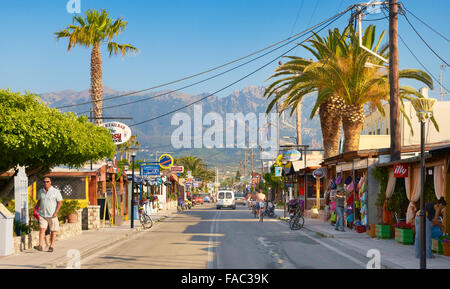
column 198, row 199
column 225, row 199
column 207, row 199
column 240, row 198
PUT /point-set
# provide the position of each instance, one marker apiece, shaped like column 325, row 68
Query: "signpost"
column 166, row 161
column 318, row 174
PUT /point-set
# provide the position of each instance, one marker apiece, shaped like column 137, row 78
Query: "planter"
column 404, row 236
column 446, row 248
column 72, row 218
column 372, row 231
column 437, row 246
column 383, row 231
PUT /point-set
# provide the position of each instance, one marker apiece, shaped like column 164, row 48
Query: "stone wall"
column 91, row 218
column 67, row 230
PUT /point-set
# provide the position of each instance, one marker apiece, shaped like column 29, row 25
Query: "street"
column 224, row 239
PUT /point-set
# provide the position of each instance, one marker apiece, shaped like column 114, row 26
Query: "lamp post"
column 284, row 162
column 424, row 110
column 133, row 156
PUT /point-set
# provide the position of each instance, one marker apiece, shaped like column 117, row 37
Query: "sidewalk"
column 87, row 243
column 393, row 254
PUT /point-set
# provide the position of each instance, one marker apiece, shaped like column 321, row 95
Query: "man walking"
column 340, row 202
column 49, row 202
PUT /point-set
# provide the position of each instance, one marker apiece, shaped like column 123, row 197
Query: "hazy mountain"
column 156, row 134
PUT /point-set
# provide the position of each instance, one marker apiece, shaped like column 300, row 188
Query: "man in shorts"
column 260, row 199
column 49, row 202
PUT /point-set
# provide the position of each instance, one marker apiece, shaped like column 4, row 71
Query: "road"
column 206, row 238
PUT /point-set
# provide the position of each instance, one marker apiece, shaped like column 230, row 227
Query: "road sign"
column 158, row 181
column 165, row 161
column 150, row 170
column 120, row 132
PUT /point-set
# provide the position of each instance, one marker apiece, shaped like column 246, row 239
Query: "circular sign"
column 120, row 132
column 319, row 173
column 292, row 155
column 165, row 161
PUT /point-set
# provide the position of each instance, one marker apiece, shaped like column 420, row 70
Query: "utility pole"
column 253, row 161
column 245, row 162
column 299, row 123
column 278, row 128
column 394, row 82
column 442, row 92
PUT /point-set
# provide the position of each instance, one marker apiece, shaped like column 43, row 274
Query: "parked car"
column 206, row 199
column 198, row 199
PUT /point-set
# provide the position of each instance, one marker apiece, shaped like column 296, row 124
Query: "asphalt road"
column 224, row 239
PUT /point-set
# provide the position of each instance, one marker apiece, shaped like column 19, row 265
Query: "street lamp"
column 424, row 111
column 133, row 156
column 284, row 162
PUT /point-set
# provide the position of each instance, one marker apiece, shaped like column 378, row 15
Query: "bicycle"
column 297, row 221
column 261, row 212
column 144, row 218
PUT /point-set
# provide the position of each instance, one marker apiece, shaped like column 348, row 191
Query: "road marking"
column 284, row 263
column 212, row 240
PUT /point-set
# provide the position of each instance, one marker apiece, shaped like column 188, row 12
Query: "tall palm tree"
column 92, row 31
column 344, row 82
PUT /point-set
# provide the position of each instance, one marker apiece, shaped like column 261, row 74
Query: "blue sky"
column 182, row 37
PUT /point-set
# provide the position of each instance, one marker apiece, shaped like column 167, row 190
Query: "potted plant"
column 404, row 233
column 445, row 244
column 68, row 211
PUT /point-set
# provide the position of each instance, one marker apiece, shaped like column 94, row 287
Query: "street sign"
column 150, row 170
column 158, row 181
column 177, row 169
column 120, row 132
column 165, row 161
column 278, row 172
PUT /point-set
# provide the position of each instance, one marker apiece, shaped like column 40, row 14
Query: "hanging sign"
column 165, row 161
column 278, row 171
column 292, row 155
column 120, row 132
column 319, row 173
column 177, row 169
column 400, row 171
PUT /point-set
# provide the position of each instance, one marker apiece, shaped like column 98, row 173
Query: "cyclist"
column 260, row 199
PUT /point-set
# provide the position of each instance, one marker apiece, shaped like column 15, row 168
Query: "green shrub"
column 68, row 207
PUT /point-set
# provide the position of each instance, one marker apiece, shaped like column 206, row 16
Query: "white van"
column 225, row 199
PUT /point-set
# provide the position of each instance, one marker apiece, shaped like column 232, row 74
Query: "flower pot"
column 72, row 218
column 383, row 231
column 446, row 248
column 404, row 236
column 372, row 231
column 437, row 246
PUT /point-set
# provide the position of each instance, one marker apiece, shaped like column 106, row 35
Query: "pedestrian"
column 340, row 203
column 432, row 213
column 49, row 203
column 47, row 231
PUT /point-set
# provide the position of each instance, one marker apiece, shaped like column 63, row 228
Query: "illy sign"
column 400, row 171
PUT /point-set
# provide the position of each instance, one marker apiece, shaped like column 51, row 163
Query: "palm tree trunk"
column 352, row 122
column 96, row 83
column 299, row 123
column 330, row 122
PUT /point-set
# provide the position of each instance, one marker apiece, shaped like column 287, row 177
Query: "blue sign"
column 278, row 172
column 158, row 181
column 151, row 170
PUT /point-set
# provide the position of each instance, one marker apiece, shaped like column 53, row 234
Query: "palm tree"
column 92, row 31
column 344, row 74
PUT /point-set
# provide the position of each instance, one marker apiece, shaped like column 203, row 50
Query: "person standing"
column 49, row 203
column 340, row 203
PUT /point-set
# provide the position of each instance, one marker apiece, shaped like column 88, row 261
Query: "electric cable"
column 330, row 20
column 194, row 75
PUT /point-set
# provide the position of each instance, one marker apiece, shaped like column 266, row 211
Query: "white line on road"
column 211, row 243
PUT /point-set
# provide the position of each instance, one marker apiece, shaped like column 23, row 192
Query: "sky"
column 177, row 38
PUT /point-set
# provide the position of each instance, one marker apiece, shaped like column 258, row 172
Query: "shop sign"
column 400, row 171
column 150, row 170
column 319, row 173
column 120, row 132
column 277, row 171
column 177, row 169
column 292, row 155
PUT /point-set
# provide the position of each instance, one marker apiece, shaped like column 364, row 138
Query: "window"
column 229, row 195
column 221, row 195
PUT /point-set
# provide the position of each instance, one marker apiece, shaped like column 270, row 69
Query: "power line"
column 330, row 20
column 187, row 77
column 420, row 36
column 431, row 28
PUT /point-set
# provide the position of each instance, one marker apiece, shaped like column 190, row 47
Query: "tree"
column 92, row 31
column 197, row 168
column 342, row 71
column 39, row 138
column 238, row 176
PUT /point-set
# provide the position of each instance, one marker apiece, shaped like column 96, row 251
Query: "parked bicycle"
column 296, row 221
column 144, row 216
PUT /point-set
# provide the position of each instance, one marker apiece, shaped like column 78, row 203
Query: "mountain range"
column 155, row 135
